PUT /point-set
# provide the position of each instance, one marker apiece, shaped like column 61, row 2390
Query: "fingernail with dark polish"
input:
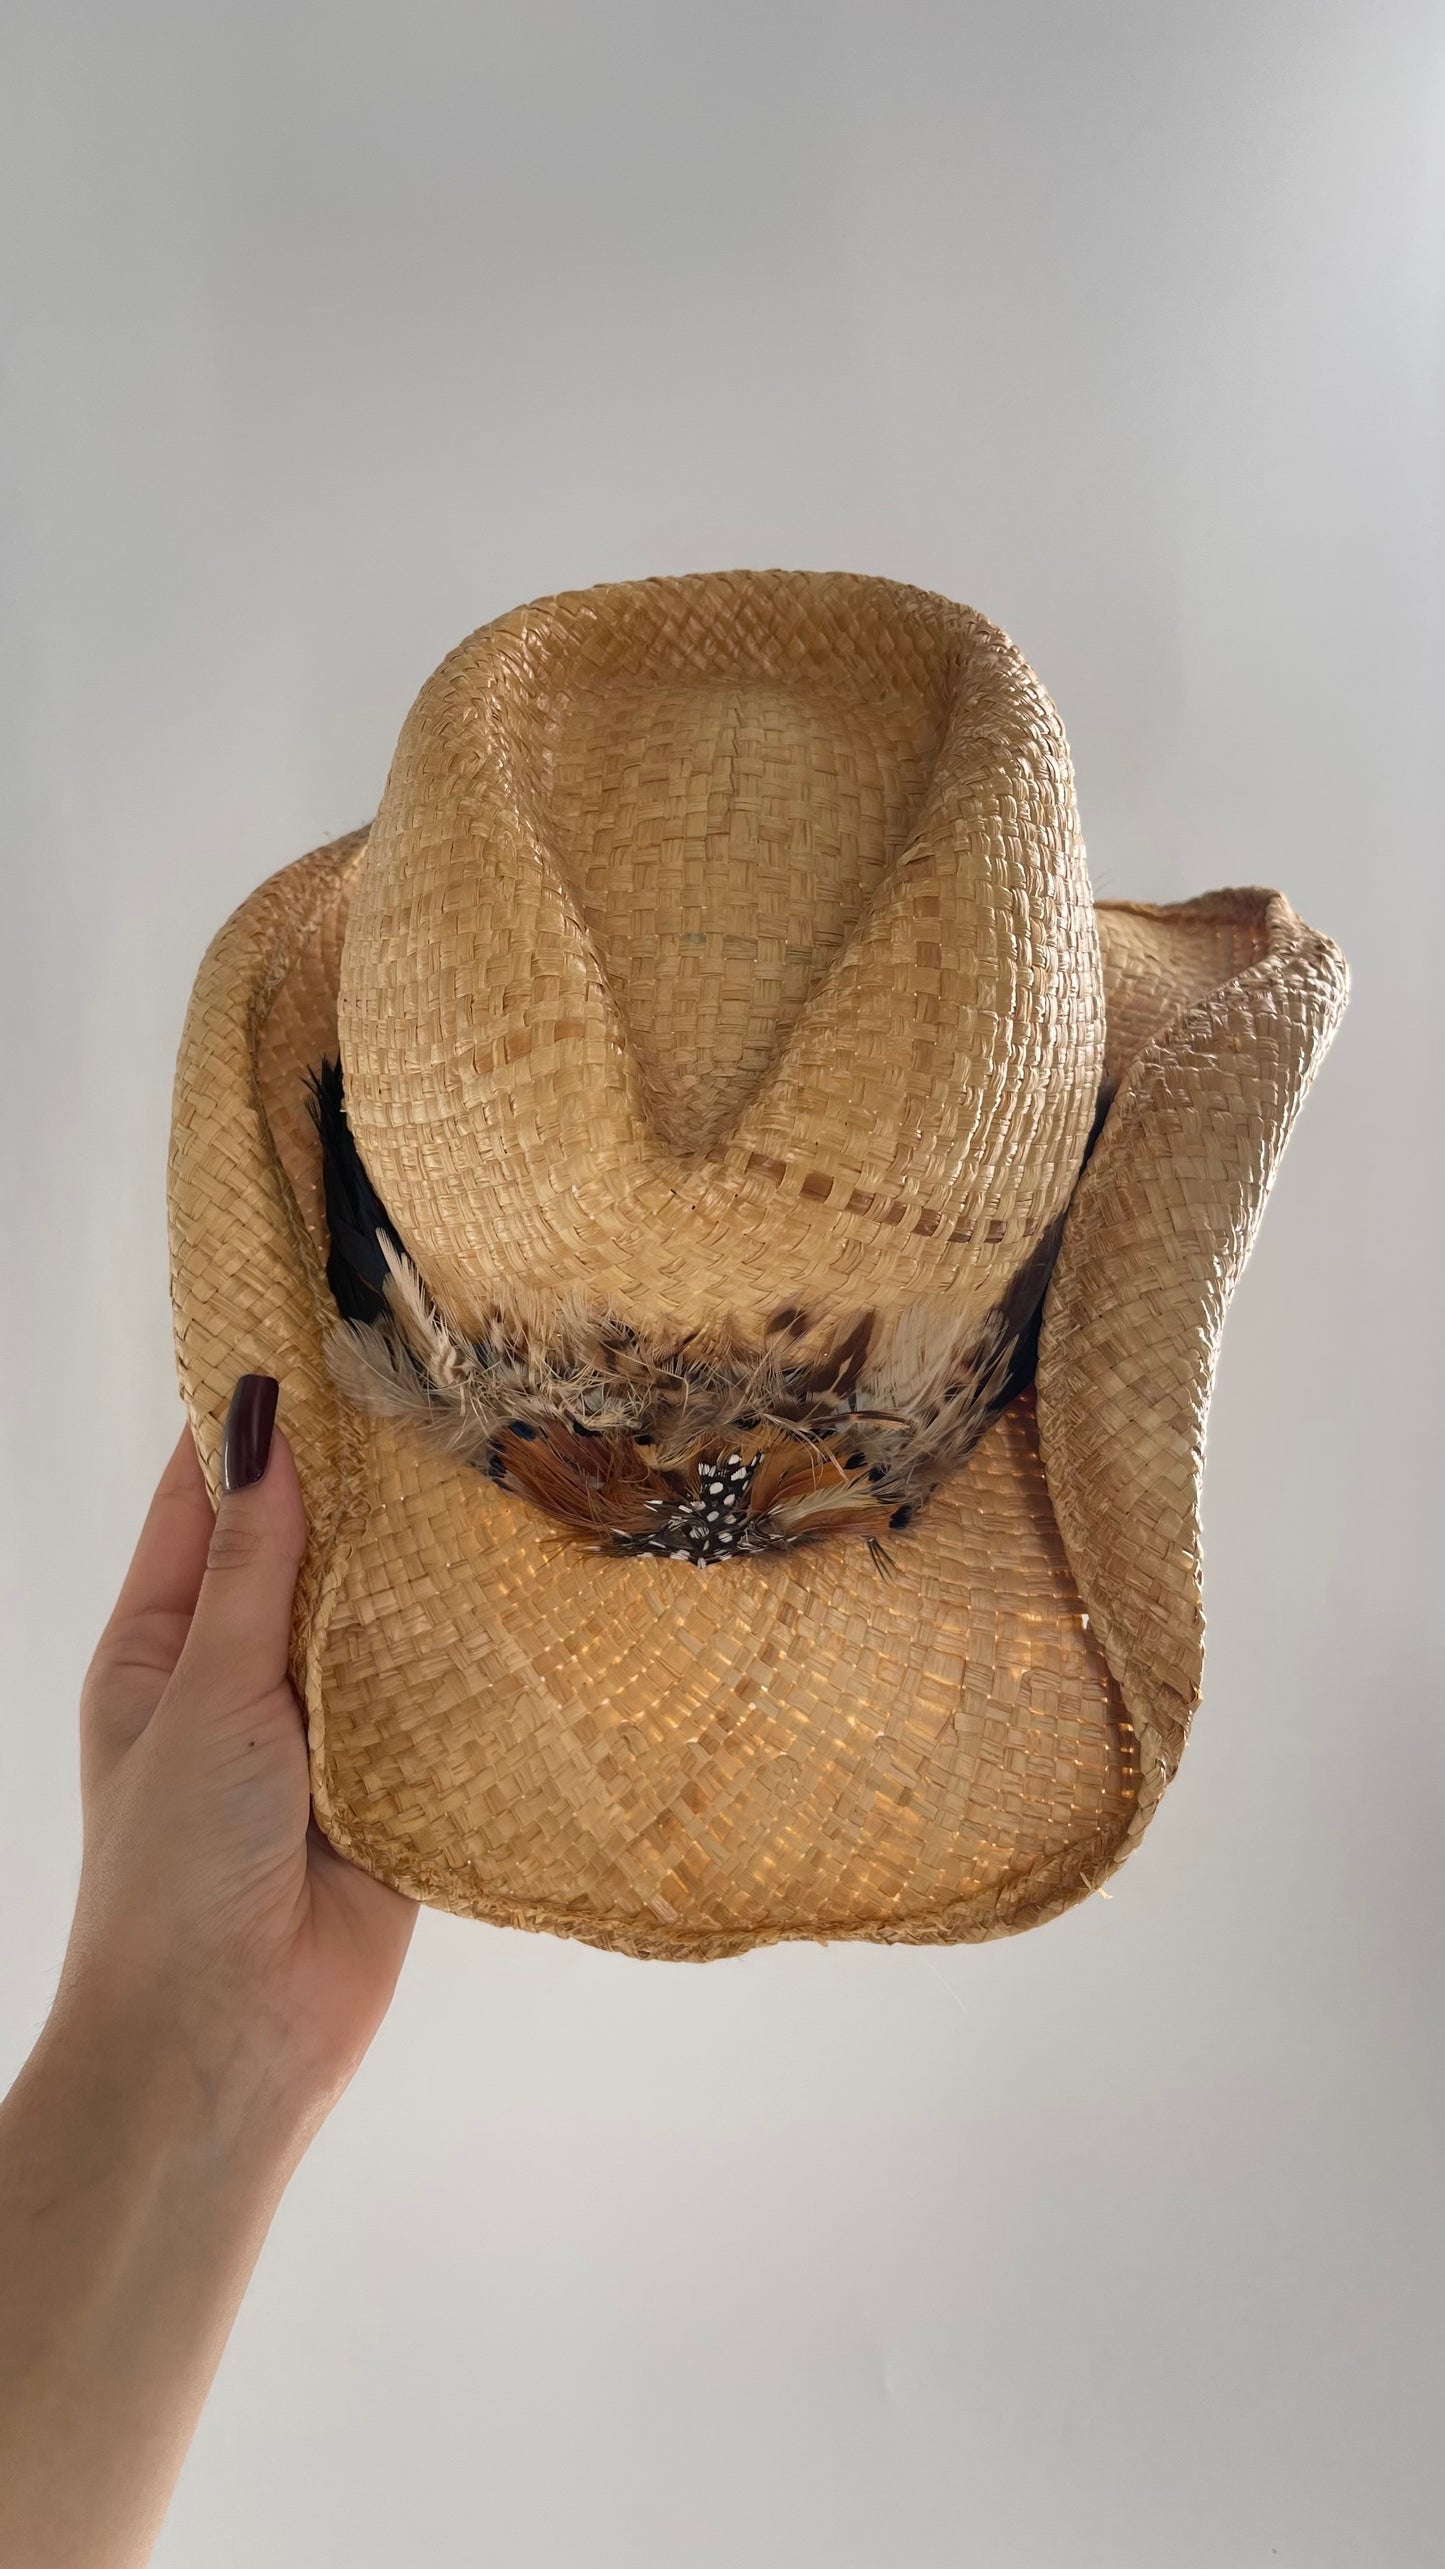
column 246, row 1444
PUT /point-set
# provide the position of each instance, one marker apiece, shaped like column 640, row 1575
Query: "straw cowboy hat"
column 743, row 1239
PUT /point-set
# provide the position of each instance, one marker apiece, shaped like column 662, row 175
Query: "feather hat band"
column 744, row 1239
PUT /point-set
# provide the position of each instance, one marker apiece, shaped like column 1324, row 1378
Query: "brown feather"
column 711, row 1446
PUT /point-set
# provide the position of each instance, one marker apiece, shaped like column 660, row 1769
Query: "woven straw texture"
column 719, row 942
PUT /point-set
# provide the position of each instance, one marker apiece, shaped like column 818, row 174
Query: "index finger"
column 136, row 1654
column 166, row 1567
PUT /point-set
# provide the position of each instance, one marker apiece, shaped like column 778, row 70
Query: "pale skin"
column 224, row 1975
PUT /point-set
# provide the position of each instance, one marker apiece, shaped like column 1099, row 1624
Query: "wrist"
column 137, row 2182
column 181, row 2080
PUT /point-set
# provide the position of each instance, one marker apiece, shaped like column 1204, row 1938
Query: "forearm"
column 135, row 2193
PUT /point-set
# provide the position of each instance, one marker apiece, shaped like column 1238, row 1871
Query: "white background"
column 333, row 331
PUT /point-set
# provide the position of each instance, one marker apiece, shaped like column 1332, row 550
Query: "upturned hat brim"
column 674, row 1764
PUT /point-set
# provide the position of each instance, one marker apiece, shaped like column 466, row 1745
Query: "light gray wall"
column 335, row 330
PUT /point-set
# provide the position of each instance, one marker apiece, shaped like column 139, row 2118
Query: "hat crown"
column 725, row 942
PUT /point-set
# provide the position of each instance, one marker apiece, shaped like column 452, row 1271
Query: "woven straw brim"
column 678, row 1764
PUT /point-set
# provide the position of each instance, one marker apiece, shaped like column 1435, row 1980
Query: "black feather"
column 356, row 1218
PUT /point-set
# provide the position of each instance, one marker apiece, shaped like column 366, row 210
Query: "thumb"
column 240, row 1632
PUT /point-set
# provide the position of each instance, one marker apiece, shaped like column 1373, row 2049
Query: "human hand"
column 225, row 1972
column 212, row 1914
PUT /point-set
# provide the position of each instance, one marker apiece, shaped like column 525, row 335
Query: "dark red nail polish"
column 246, row 1443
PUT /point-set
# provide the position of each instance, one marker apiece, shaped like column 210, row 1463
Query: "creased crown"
column 722, row 943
